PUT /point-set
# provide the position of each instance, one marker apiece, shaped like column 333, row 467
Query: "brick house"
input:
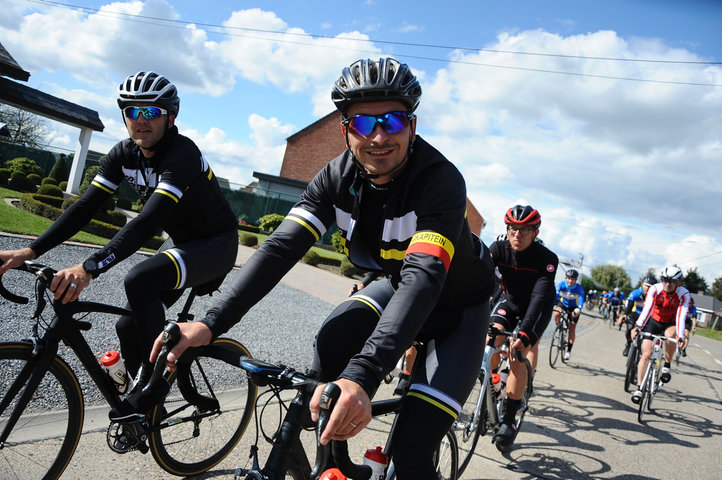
column 310, row 149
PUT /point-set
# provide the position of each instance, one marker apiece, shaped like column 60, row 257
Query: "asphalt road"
column 581, row 424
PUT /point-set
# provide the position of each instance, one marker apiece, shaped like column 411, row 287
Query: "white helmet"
column 672, row 272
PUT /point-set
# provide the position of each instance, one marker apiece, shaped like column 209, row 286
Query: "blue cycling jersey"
column 572, row 297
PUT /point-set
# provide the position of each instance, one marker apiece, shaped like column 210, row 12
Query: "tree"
column 717, row 289
column 25, row 128
column 612, row 276
column 25, row 165
column 693, row 282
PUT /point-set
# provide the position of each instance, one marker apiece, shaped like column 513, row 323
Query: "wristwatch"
column 91, row 266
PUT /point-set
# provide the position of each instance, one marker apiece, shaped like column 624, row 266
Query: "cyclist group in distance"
column 437, row 278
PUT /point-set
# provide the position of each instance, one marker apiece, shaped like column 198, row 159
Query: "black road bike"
column 42, row 407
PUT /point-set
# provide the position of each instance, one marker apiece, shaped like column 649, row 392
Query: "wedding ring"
column 74, row 285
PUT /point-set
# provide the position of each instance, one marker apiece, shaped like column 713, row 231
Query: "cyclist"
column 615, row 299
column 179, row 192
column 570, row 296
column 664, row 313
column 400, row 207
column 691, row 323
column 526, row 270
column 635, row 304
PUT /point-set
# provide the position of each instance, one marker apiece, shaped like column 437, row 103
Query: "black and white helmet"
column 369, row 80
column 672, row 272
column 649, row 280
column 149, row 87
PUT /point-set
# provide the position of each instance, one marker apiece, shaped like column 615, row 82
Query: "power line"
column 171, row 23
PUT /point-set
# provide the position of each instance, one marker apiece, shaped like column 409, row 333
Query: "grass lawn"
column 16, row 220
column 709, row 333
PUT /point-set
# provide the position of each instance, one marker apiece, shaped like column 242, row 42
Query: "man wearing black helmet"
column 570, row 296
column 400, row 208
column 634, row 306
column 180, row 194
column 526, row 270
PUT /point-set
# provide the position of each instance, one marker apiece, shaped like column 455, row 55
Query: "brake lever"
column 171, row 337
column 329, row 396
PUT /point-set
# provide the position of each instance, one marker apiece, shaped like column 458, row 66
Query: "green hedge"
column 249, row 228
column 102, row 229
column 51, row 200
column 248, row 239
column 50, row 190
column 49, row 180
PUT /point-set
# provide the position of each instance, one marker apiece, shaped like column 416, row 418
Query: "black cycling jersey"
column 424, row 245
column 527, row 279
column 180, row 191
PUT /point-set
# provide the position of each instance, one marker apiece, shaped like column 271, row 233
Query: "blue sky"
column 605, row 115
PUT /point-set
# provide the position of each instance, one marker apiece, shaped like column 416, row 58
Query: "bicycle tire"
column 445, row 457
column 525, row 397
column 632, row 363
column 555, row 349
column 653, row 385
column 645, row 392
column 192, row 447
column 564, row 344
column 57, row 433
column 470, row 424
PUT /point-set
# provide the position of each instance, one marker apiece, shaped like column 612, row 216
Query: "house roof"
column 706, row 303
column 41, row 103
column 10, row 68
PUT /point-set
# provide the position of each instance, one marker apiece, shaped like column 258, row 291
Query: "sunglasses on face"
column 520, row 230
column 668, row 280
column 149, row 113
column 391, row 122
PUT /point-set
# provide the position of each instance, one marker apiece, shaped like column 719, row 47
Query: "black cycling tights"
column 157, row 283
column 441, row 381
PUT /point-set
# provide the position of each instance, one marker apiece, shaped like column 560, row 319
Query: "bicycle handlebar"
column 171, row 337
column 41, row 271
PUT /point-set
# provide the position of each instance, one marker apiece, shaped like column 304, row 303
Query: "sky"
column 605, row 115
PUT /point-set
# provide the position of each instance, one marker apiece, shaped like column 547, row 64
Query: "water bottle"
column 115, row 368
column 496, row 381
column 377, row 460
column 332, row 474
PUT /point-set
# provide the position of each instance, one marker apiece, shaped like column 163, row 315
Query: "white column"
column 81, row 152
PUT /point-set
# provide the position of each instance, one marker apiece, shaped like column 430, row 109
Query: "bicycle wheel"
column 471, row 423
column 653, row 385
column 557, row 347
column 51, row 422
column 646, row 382
column 209, row 432
column 632, row 363
column 446, row 457
column 564, row 343
column 527, row 394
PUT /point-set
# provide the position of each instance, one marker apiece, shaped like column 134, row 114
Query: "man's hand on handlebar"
column 10, row 259
column 193, row 334
column 351, row 414
column 68, row 283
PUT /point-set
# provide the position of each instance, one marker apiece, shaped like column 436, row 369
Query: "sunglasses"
column 391, row 122
column 668, row 280
column 519, row 230
column 149, row 113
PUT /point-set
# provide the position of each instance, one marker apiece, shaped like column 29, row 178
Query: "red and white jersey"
column 666, row 308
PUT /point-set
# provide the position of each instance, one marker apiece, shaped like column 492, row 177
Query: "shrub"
column 59, row 172
column 35, row 178
column 25, row 165
column 6, row 171
column 49, row 181
column 248, row 239
column 21, row 183
column 270, row 222
column 249, row 228
column 311, row 258
column 51, row 200
column 336, row 241
column 124, row 203
column 112, row 217
column 51, row 190
column 348, row 269
column 63, row 185
column 3, row 178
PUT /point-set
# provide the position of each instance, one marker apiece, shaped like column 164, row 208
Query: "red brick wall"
column 309, row 150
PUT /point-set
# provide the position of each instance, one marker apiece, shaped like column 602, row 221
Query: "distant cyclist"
column 526, row 270
column 691, row 324
column 615, row 300
column 570, row 296
column 635, row 304
column 664, row 313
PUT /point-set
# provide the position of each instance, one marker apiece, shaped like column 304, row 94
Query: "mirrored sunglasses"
column 149, row 113
column 391, row 122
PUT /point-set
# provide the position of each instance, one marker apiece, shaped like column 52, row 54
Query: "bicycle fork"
column 30, row 377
